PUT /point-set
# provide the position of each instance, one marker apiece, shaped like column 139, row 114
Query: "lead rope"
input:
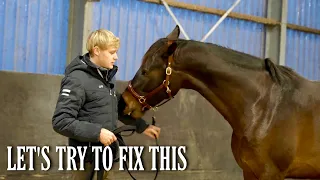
column 118, row 131
column 157, row 143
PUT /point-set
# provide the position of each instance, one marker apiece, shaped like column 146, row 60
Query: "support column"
column 75, row 29
column 283, row 33
column 275, row 47
column 87, row 22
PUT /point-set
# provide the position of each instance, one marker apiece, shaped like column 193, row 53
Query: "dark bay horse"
column 273, row 111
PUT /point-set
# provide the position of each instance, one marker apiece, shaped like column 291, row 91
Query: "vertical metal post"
column 220, row 20
column 175, row 19
column 283, row 33
column 75, row 29
column 87, row 24
column 272, row 41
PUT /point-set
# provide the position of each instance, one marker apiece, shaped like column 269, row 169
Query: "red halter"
column 165, row 85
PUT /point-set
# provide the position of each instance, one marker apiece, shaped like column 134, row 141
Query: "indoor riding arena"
column 39, row 38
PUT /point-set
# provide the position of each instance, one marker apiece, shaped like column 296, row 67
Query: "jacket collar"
column 108, row 73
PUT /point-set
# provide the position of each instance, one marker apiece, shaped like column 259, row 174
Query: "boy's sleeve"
column 64, row 120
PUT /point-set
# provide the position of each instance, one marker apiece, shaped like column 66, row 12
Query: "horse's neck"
column 231, row 92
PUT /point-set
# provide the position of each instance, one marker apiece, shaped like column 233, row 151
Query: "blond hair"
column 103, row 39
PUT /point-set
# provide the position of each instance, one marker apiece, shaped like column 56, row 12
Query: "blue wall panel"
column 302, row 51
column 139, row 24
column 33, row 35
column 252, row 7
column 304, row 13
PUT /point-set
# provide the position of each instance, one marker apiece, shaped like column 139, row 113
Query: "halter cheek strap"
column 165, row 85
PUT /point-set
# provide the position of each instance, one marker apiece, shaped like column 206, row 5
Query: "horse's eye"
column 144, row 72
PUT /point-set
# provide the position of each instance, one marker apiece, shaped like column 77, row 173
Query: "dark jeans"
column 89, row 173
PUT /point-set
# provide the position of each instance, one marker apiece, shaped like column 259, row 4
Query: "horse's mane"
column 278, row 73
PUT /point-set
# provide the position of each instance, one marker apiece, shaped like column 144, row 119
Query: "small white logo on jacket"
column 65, row 92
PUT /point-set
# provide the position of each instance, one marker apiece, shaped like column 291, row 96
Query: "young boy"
column 87, row 107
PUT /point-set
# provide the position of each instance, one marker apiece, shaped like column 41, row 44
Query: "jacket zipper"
column 110, row 93
column 113, row 109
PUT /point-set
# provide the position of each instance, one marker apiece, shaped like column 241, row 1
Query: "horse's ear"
column 272, row 70
column 172, row 47
column 174, row 35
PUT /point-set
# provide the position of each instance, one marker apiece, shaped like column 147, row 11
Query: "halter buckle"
column 164, row 81
column 142, row 99
column 168, row 71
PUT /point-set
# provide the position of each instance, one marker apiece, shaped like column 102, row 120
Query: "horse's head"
column 156, row 79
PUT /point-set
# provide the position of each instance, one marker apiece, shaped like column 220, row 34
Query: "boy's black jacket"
column 87, row 102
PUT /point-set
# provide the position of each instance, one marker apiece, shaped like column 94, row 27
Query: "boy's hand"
column 107, row 137
column 152, row 131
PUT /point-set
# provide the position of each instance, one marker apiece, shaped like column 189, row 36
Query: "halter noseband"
column 165, row 85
